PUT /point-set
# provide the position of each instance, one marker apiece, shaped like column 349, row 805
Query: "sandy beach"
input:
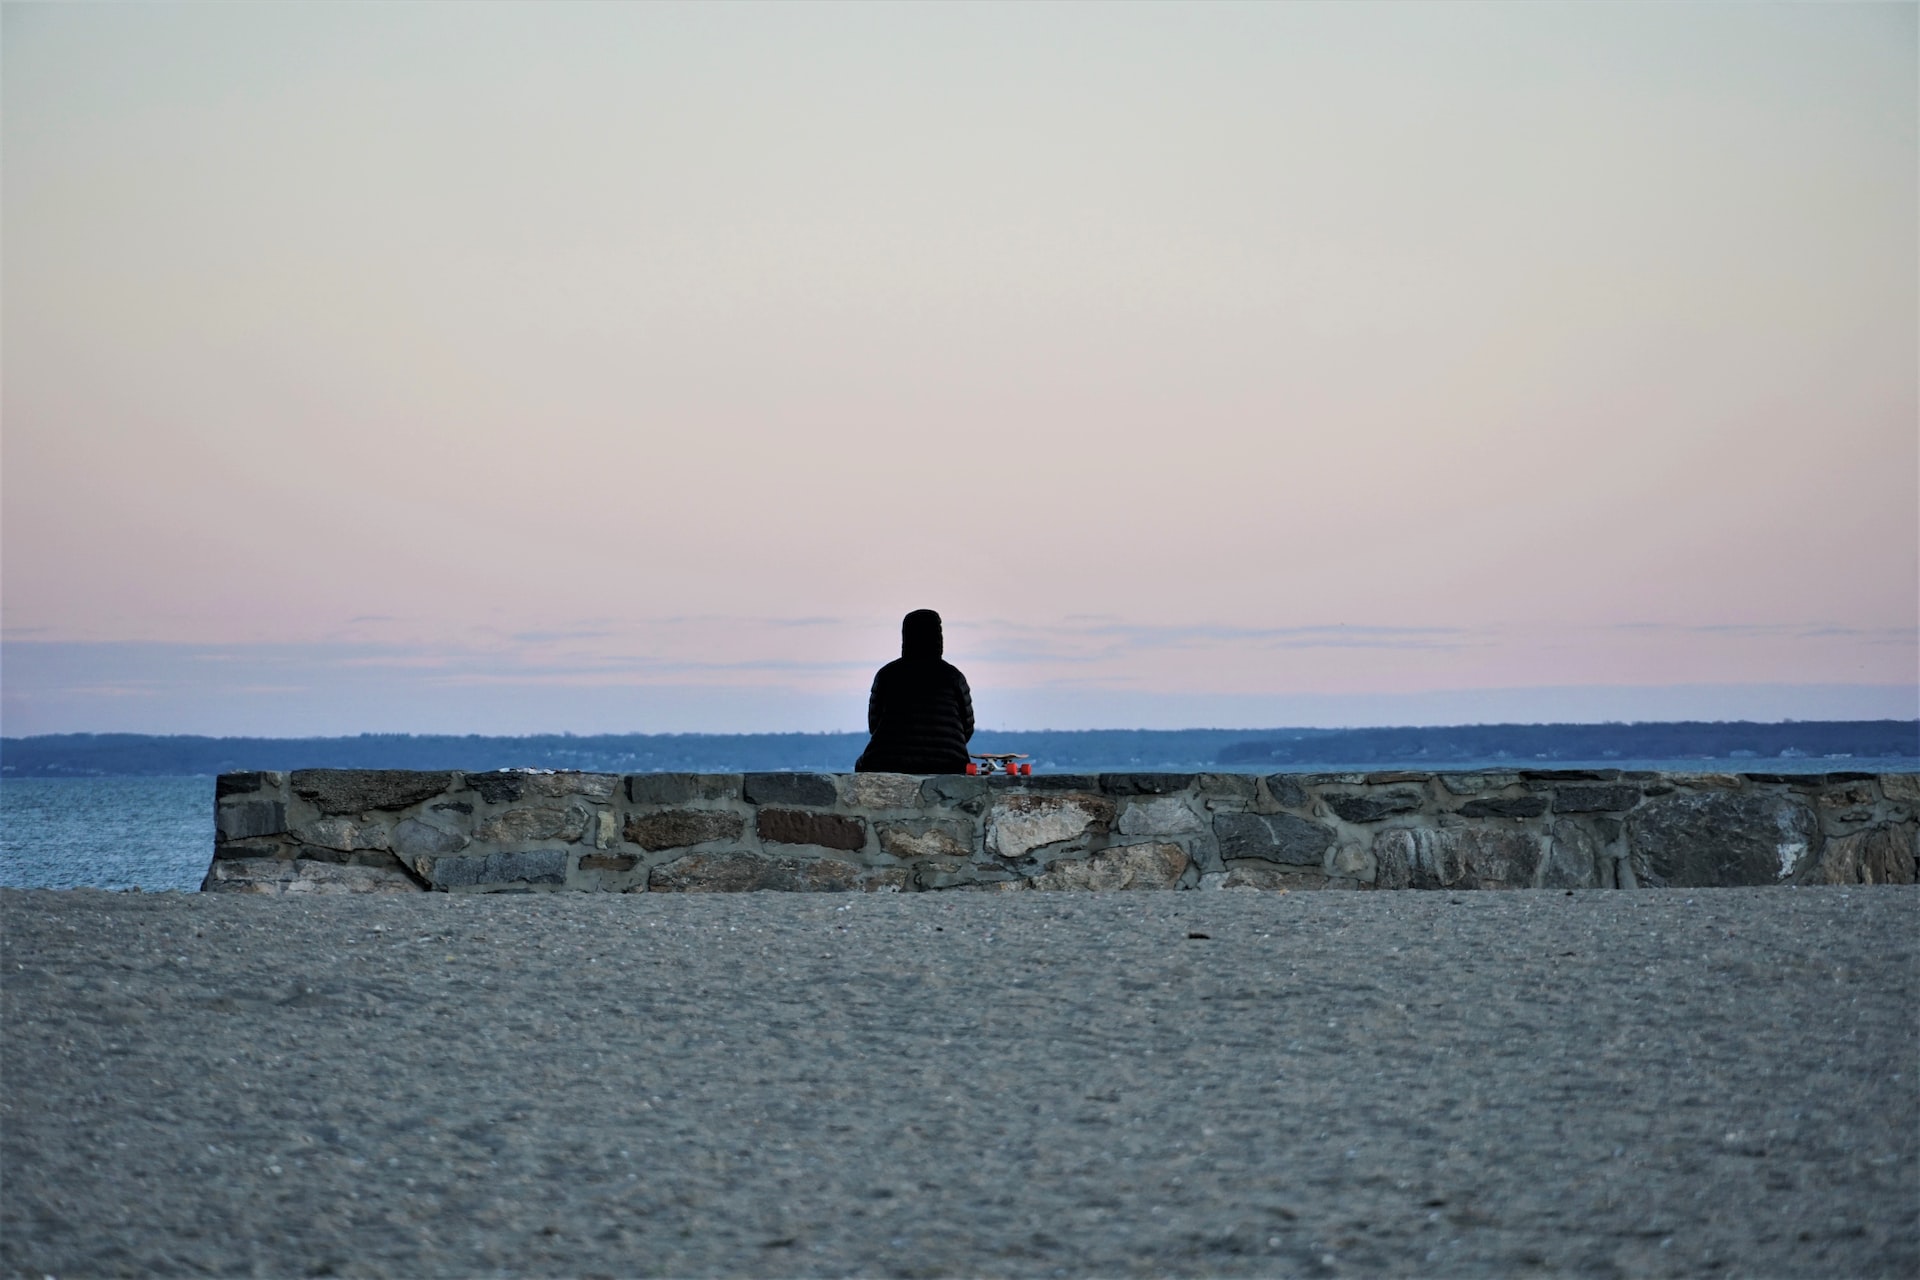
column 1654, row 1083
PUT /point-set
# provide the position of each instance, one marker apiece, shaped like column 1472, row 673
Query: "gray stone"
column 241, row 819
column 812, row 789
column 1228, row 787
column 747, row 872
column 1133, row 866
column 277, row 877
column 1020, row 824
column 465, row 871
column 1144, row 784
column 1884, row 855
column 682, row 788
column 1901, row 788
column 344, row 834
column 1573, row 858
column 881, row 790
column 1475, row 784
column 1569, row 775
column 413, row 837
column 1273, row 837
column 1354, row 862
column 1848, row 802
column 1505, row 807
column 680, row 828
column 1264, row 875
column 501, row 786
column 798, row 826
column 517, row 826
column 959, row 789
column 1164, row 816
column 1455, row 858
column 1286, row 791
column 930, row 876
column 1617, row 799
column 915, row 838
column 1088, row 782
column 1720, row 839
column 569, row 782
column 1373, row 806
column 346, row 791
column 240, row 784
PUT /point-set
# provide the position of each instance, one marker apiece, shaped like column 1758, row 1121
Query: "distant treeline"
column 1680, row 740
column 123, row 754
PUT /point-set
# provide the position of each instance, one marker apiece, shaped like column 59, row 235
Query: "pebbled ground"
column 1656, row 1083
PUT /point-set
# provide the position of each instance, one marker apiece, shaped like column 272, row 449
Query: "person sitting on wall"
column 920, row 713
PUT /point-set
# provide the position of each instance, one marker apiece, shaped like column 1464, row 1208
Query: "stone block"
column 932, row 876
column 1709, row 839
column 349, row 791
column 1354, row 862
column 1615, row 799
column 1901, row 788
column 1020, row 824
column 1133, row 866
column 681, row 828
column 1505, row 807
column 240, row 784
column 276, row 877
column 798, row 826
column 519, row 826
column 1372, row 806
column 505, row 869
column 957, row 789
column 1165, row 816
column 1573, row 858
column 1272, row 837
column 344, row 834
column 1228, row 788
column 243, row 819
column 1551, row 776
column 911, row 839
column 1265, row 875
column 1144, row 784
column 413, row 837
column 608, row 862
column 1884, row 855
column 814, row 790
column 1455, row 858
column 881, row 790
column 1042, row 782
column 682, row 788
column 1477, row 784
column 747, row 872
column 1285, row 791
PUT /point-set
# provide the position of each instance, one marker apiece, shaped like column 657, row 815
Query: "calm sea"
column 157, row 833
column 105, row 833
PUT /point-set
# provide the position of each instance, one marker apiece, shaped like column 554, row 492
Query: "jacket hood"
column 920, row 635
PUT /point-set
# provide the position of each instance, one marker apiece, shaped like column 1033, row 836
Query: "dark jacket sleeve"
column 875, row 708
column 966, row 706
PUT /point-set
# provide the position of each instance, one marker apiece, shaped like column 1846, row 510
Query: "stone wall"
column 330, row 831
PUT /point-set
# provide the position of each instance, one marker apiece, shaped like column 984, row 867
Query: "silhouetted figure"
column 920, row 713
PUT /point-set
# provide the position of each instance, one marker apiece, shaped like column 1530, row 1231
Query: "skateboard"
column 992, row 764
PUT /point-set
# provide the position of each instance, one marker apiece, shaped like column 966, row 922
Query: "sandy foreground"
column 1650, row 1083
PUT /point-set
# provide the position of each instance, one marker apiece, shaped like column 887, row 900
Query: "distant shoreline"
column 1782, row 747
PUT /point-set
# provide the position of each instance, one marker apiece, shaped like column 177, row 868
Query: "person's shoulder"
column 953, row 671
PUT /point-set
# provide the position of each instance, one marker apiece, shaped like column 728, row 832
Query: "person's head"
column 920, row 635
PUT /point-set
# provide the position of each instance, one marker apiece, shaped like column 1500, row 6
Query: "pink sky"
column 635, row 367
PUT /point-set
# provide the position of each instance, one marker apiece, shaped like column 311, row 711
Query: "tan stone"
column 923, row 838
column 1884, row 855
column 881, row 790
column 1020, row 824
column 1133, row 866
column 518, row 826
column 1902, row 788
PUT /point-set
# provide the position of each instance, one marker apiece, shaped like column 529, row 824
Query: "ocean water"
column 105, row 833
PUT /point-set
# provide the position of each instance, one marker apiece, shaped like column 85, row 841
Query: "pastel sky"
column 463, row 368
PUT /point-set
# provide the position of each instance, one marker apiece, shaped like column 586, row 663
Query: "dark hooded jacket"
column 920, row 713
